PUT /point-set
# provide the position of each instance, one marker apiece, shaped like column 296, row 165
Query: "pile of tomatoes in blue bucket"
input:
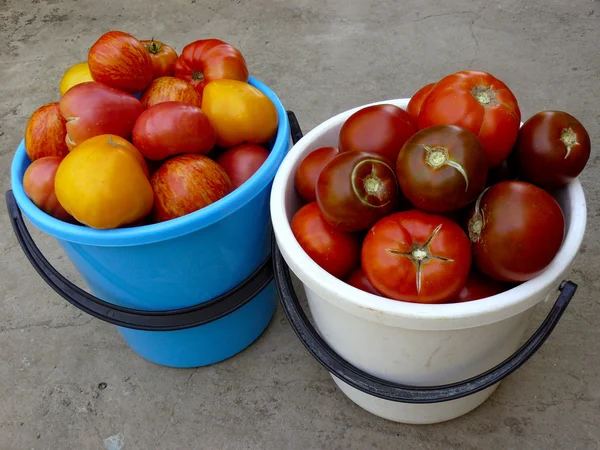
column 153, row 172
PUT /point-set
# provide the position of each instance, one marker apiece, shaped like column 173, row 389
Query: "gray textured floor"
column 321, row 58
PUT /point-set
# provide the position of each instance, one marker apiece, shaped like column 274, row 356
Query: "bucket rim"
column 406, row 314
column 170, row 229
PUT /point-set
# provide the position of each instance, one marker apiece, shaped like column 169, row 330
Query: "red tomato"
column 163, row 58
column 334, row 251
column 309, row 169
column 46, row 132
column 417, row 257
column 359, row 280
column 416, row 101
column 480, row 103
column 187, row 183
column 210, row 59
column 380, row 129
column 442, row 168
column 242, row 161
column 170, row 89
column 92, row 109
column 355, row 189
column 38, row 184
column 121, row 61
column 171, row 128
column 479, row 286
column 553, row 148
column 516, row 229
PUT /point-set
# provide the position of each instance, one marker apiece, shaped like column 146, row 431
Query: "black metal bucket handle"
column 171, row 320
column 401, row 393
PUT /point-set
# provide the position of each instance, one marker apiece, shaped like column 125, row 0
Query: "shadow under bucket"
column 187, row 292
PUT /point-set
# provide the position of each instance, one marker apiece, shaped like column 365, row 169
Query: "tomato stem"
column 477, row 222
column 198, row 76
column 569, row 138
column 484, row 95
column 153, row 47
column 420, row 254
column 439, row 156
column 376, row 189
column 436, row 156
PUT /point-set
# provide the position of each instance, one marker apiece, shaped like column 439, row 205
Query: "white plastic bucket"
column 408, row 362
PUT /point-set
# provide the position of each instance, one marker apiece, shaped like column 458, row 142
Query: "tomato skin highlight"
column 170, row 89
column 516, row 229
column 309, row 169
column 552, row 149
column 38, row 184
column 334, row 251
column 162, row 56
column 480, row 103
column 380, row 129
column 355, row 189
column 479, row 286
column 416, row 101
column 185, row 184
column 45, row 132
column 120, row 61
column 171, row 128
column 242, row 161
column 442, row 168
column 359, row 280
column 416, row 257
column 205, row 60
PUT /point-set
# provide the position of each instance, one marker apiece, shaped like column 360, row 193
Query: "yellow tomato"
column 79, row 73
column 103, row 184
column 239, row 112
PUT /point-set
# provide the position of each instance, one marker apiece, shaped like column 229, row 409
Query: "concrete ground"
column 70, row 382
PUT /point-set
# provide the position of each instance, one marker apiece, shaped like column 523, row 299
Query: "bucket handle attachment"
column 401, row 393
column 387, row 390
column 177, row 319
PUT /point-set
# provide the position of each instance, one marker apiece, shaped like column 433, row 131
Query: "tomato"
column 416, row 101
column 479, row 286
column 92, row 109
column 516, row 229
column 381, row 129
column 416, row 257
column 552, row 149
column 171, row 128
column 442, row 168
column 239, row 112
column 336, row 252
column 76, row 74
column 46, row 132
column 206, row 60
column 309, row 169
column 480, row 103
column 355, row 189
column 103, row 184
column 38, row 184
column 170, row 89
column 163, row 58
column 242, row 161
column 359, row 280
column 185, row 184
column 121, row 61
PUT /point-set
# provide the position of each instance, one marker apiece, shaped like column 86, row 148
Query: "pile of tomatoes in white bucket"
column 447, row 201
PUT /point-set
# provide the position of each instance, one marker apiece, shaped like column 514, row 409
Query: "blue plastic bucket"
column 183, row 293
